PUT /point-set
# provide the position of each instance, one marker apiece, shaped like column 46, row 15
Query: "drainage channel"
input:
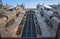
column 29, row 27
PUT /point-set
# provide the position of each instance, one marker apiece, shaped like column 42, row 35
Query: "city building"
column 20, row 22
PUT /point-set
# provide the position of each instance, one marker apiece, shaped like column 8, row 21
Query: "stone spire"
column 0, row 2
column 58, row 4
column 22, row 6
column 38, row 5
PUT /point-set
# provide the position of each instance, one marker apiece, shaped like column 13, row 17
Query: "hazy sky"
column 30, row 3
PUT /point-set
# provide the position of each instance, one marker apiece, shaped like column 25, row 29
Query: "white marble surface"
column 45, row 30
